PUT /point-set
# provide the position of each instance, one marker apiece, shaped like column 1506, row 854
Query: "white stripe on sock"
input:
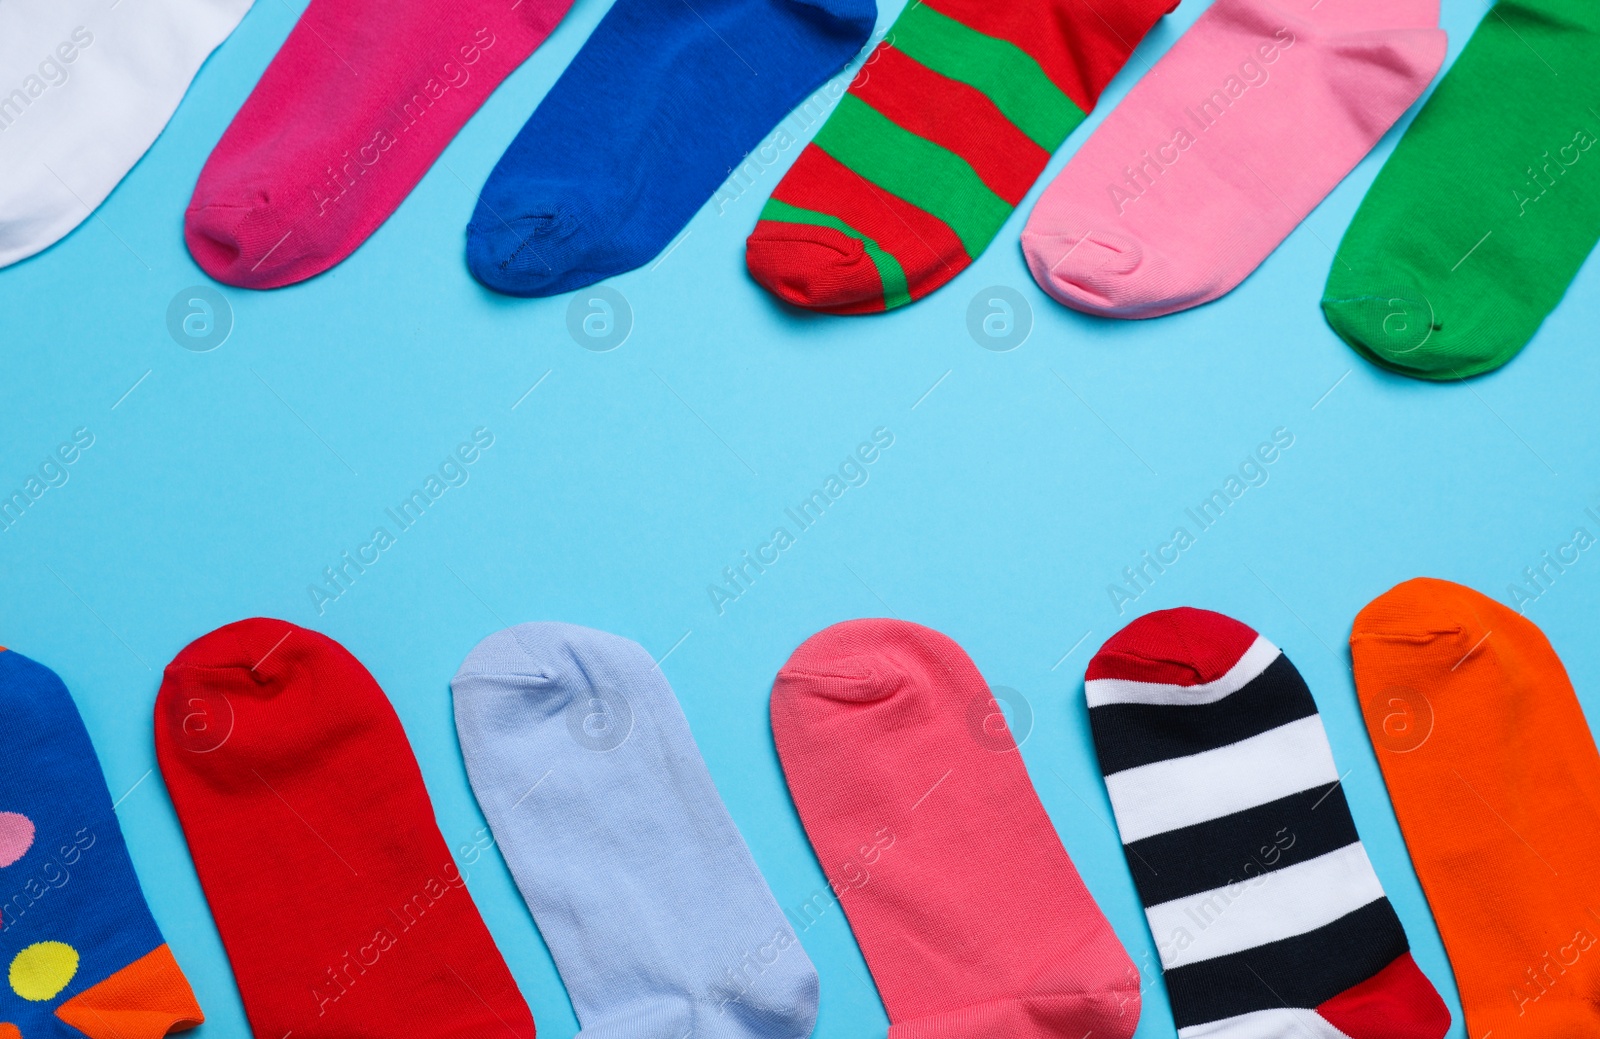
column 1102, row 691
column 1266, row 1024
column 1265, row 908
column 1183, row 791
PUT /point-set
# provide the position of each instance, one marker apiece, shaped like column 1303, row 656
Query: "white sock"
column 85, row 87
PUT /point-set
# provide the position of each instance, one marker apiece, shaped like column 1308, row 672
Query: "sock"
column 657, row 917
column 1242, row 128
column 85, row 88
column 78, row 945
column 348, row 117
column 1496, row 783
column 1488, row 206
column 611, row 166
column 948, row 125
column 969, row 913
column 1263, row 905
column 340, row 906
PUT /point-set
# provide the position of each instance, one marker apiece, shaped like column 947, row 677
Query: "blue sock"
column 659, row 921
column 659, row 106
column 78, row 945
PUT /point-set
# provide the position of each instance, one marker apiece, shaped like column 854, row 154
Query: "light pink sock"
column 347, row 118
column 1242, row 128
column 969, row 913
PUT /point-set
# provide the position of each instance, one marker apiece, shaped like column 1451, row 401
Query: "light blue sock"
column 659, row 921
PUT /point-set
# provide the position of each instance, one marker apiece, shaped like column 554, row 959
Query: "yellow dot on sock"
column 42, row 970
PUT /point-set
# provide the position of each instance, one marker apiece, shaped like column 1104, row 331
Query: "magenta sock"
column 351, row 113
column 1242, row 128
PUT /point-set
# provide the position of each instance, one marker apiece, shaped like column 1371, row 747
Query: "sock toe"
column 1399, row 328
column 849, row 679
column 245, row 644
column 556, row 653
column 502, row 653
column 211, row 233
column 853, row 661
column 815, row 268
column 527, row 255
column 1182, row 646
column 1423, row 609
column 244, row 245
column 1098, row 272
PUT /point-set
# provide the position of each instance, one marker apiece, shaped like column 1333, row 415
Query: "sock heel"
column 1398, row 1002
column 147, row 999
column 1107, row 1015
column 667, row 1018
column 1408, row 58
column 775, row 1006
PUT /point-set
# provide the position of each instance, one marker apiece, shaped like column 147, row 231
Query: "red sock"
column 950, row 122
column 341, row 909
column 351, row 113
column 969, row 913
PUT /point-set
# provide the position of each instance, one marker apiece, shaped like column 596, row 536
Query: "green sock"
column 1488, row 206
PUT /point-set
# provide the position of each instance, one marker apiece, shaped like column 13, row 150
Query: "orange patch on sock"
column 147, row 999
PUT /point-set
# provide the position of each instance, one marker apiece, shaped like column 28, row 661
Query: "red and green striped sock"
column 936, row 143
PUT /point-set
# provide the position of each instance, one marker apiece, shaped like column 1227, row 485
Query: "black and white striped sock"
column 1268, row 916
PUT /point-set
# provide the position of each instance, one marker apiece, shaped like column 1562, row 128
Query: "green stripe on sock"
column 934, row 179
column 893, row 276
column 999, row 69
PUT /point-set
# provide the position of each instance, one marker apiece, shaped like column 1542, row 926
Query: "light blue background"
column 616, row 492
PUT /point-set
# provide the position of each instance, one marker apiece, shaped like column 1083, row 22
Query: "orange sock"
column 1496, row 782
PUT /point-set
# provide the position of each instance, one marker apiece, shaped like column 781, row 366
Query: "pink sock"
column 1242, row 128
column 347, row 118
column 969, row 913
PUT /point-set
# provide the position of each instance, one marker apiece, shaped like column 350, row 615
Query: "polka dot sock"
column 77, row 942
